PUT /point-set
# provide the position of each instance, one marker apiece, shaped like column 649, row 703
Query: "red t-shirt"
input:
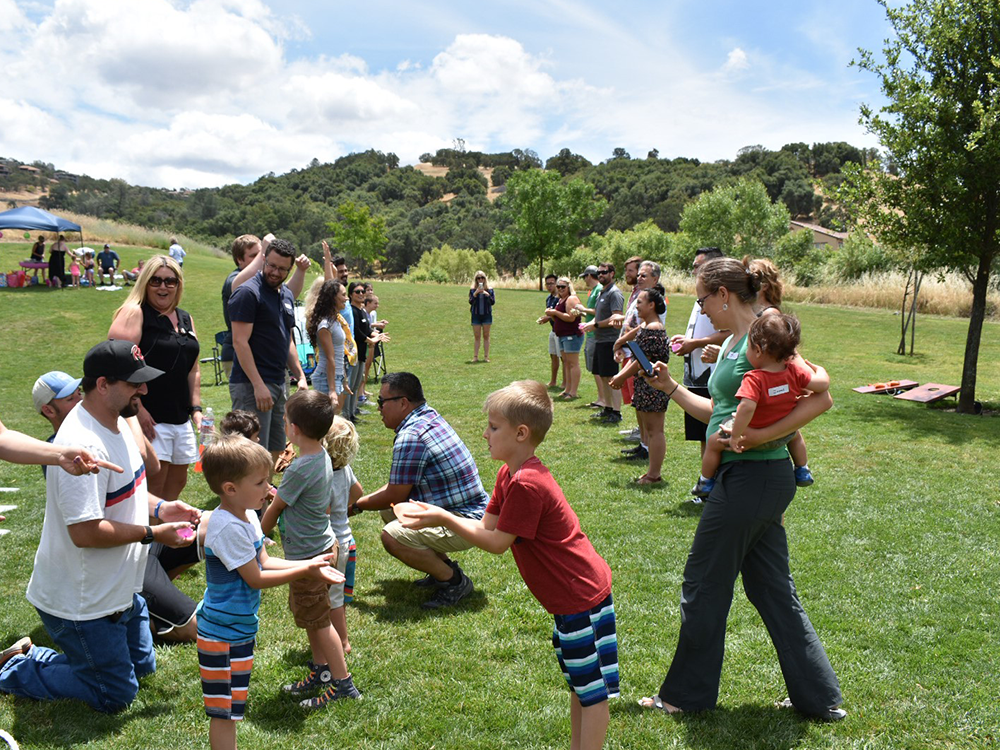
column 555, row 558
column 774, row 392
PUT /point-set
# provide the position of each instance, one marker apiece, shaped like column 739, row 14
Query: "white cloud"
column 178, row 93
column 736, row 61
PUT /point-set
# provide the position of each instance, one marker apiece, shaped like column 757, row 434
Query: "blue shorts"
column 571, row 344
column 586, row 645
column 482, row 320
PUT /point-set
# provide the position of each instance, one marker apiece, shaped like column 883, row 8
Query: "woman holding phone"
column 650, row 404
column 481, row 300
column 741, row 531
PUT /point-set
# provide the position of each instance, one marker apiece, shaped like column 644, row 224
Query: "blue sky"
column 202, row 93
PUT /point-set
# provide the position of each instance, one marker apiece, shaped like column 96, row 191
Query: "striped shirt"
column 228, row 612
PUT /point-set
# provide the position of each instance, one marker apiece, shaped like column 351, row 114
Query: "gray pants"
column 740, row 533
column 272, row 423
column 355, row 374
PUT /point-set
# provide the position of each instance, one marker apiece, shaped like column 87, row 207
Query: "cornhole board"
column 928, row 393
column 889, row 386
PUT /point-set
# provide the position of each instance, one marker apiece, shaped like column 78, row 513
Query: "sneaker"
column 630, row 451
column 319, row 679
column 632, row 435
column 428, row 580
column 613, row 417
column 20, row 647
column 703, row 488
column 601, row 414
column 338, row 689
column 803, row 477
column 639, row 454
column 449, row 596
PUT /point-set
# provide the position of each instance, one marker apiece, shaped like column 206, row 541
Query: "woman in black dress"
column 57, row 261
column 650, row 404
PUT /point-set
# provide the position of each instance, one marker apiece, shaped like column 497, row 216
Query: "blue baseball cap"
column 55, row 384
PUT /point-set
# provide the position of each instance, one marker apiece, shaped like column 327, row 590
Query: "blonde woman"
column 566, row 325
column 481, row 300
column 151, row 318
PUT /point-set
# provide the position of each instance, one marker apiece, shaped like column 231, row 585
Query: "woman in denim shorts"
column 566, row 325
column 481, row 300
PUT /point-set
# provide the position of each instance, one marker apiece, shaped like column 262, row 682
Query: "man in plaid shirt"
column 431, row 464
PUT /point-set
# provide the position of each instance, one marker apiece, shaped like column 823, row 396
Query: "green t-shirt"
column 722, row 386
column 591, row 301
column 305, row 487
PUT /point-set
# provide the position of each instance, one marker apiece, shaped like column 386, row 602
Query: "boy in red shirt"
column 767, row 394
column 529, row 514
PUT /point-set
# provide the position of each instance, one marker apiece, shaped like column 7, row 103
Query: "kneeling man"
column 430, row 463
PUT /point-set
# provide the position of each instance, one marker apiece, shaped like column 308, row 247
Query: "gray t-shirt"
column 305, row 487
column 610, row 301
column 343, row 480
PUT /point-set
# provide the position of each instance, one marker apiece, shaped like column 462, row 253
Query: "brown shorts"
column 309, row 601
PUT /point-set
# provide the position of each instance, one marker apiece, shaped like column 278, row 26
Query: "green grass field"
column 894, row 551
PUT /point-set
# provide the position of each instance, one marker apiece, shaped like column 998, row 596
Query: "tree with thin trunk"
column 940, row 127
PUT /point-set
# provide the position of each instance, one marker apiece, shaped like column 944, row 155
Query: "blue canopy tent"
column 35, row 219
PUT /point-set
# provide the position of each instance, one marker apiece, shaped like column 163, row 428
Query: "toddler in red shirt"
column 768, row 392
column 529, row 515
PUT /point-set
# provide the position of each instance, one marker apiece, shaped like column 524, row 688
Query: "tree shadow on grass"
column 747, row 727
column 685, row 509
column 403, row 600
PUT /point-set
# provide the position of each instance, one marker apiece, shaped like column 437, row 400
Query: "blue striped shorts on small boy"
column 586, row 645
column 225, row 677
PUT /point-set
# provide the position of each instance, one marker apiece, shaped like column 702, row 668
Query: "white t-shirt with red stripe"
column 77, row 583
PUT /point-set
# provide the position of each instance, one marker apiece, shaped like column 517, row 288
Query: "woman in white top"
column 327, row 332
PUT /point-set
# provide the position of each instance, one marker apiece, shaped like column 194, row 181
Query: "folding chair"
column 378, row 362
column 216, row 359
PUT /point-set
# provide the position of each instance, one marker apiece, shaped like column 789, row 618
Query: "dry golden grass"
column 949, row 295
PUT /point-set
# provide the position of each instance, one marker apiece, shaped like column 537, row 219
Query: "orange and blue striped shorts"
column 225, row 676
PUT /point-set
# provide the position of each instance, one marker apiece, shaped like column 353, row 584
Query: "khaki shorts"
column 309, row 601
column 437, row 538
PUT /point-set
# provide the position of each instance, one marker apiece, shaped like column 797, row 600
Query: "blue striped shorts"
column 586, row 645
column 225, row 677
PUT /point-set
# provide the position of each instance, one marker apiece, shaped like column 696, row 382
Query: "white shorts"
column 176, row 443
column 554, row 344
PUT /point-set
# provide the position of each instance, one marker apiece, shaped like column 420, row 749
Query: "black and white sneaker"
column 338, row 690
column 319, row 679
column 450, row 595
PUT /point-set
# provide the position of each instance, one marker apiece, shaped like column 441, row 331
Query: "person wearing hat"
column 55, row 394
column 589, row 277
column 107, row 263
column 91, row 557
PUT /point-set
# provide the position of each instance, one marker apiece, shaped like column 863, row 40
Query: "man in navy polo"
column 262, row 312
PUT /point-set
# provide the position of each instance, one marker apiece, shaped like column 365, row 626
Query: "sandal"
column 657, row 703
column 646, row 479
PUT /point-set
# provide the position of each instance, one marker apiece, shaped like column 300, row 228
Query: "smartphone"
column 480, row 285
column 640, row 357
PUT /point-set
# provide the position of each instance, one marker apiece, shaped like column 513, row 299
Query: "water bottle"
column 206, row 435
column 207, row 427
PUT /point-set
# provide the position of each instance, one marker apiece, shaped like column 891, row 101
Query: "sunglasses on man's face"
column 383, row 401
column 170, row 282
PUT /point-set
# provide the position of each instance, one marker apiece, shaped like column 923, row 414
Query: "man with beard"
column 263, row 315
column 89, row 565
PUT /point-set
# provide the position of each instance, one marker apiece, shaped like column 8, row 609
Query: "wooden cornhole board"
column 889, row 386
column 928, row 393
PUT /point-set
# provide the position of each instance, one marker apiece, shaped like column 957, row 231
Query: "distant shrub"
column 446, row 264
column 796, row 256
column 859, row 255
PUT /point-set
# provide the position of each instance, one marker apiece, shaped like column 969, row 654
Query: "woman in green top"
column 741, row 529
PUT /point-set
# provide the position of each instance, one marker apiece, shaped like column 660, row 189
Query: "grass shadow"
column 684, row 509
column 45, row 723
column 918, row 421
column 747, row 727
column 403, row 600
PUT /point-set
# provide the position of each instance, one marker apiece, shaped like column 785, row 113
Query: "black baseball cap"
column 118, row 359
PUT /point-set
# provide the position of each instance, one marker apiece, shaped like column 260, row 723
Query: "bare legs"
column 169, row 481
column 571, row 373
column 486, row 342
column 589, row 724
column 477, row 332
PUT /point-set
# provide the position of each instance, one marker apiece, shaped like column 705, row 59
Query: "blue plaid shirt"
column 429, row 455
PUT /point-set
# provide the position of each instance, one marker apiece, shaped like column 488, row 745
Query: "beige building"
column 820, row 235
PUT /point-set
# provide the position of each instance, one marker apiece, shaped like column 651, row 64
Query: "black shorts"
column 604, row 359
column 694, row 429
column 169, row 607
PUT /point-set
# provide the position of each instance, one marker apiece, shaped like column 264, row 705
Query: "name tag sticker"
column 733, row 355
column 777, row 390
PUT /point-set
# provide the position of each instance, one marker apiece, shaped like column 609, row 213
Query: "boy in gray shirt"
column 304, row 500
